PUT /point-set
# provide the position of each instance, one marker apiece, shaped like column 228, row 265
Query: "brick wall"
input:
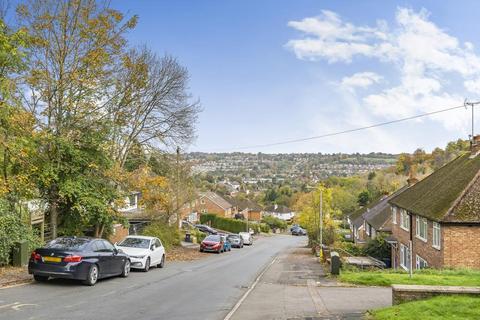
column 425, row 250
column 402, row 236
column 406, row 293
column 255, row 215
column 208, row 206
column 461, row 246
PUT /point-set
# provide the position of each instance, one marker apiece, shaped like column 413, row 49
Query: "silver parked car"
column 247, row 238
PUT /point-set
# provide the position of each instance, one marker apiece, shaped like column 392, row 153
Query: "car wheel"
column 92, row 276
column 201, row 250
column 147, row 265
column 40, row 278
column 126, row 269
column 162, row 263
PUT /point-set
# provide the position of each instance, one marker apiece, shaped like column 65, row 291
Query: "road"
column 203, row 289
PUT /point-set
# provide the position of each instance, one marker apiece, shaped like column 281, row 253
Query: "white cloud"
column 425, row 60
column 361, row 80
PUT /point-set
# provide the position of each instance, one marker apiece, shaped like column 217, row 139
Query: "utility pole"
column 321, row 223
column 472, row 104
column 178, row 189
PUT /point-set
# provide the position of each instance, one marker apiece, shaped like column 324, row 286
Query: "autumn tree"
column 150, row 106
column 16, row 125
column 74, row 52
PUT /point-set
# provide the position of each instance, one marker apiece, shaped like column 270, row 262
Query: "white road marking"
column 17, row 305
column 9, row 305
column 245, row 295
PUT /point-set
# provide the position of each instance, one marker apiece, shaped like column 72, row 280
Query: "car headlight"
column 138, row 257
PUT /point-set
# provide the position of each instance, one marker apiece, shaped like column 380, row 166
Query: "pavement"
column 203, row 289
column 295, row 287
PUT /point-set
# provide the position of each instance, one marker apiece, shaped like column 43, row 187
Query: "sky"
column 267, row 71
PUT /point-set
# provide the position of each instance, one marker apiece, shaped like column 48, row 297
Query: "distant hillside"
column 304, row 166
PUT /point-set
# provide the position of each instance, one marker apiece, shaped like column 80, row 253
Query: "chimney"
column 475, row 145
column 412, row 179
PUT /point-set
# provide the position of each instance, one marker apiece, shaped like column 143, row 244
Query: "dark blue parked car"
column 82, row 258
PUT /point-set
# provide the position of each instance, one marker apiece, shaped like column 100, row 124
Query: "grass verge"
column 437, row 308
column 461, row 277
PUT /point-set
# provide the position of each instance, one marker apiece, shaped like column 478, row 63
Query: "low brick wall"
column 405, row 293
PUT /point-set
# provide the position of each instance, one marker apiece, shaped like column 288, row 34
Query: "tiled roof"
column 356, row 217
column 435, row 196
column 379, row 215
column 243, row 204
column 224, row 204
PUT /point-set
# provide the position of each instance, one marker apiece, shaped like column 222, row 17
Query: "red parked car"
column 212, row 243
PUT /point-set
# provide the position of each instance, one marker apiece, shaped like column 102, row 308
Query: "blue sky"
column 270, row 70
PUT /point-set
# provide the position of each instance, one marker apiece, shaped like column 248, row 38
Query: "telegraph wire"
column 331, row 134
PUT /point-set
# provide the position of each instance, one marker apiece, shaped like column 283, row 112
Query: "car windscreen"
column 71, row 244
column 233, row 236
column 213, row 238
column 135, row 243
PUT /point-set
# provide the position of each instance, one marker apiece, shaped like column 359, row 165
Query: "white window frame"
column 404, row 257
column 437, row 238
column 421, row 223
column 367, row 228
column 419, row 261
column 394, row 215
column 404, row 220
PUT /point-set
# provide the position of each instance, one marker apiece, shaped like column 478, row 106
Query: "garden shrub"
column 169, row 235
column 13, row 229
column 275, row 223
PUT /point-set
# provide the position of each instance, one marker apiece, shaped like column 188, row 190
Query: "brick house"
column 247, row 208
column 438, row 218
column 378, row 217
column 357, row 224
column 210, row 202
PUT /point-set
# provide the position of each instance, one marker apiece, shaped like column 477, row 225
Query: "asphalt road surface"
column 203, row 289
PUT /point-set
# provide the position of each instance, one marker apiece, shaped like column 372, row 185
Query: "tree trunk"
column 54, row 218
column 97, row 231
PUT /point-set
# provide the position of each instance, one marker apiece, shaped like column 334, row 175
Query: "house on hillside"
column 247, row 208
column 208, row 202
column 135, row 213
column 280, row 211
column 436, row 222
column 357, row 225
column 378, row 217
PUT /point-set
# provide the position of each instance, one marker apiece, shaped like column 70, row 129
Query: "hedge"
column 169, row 235
column 232, row 225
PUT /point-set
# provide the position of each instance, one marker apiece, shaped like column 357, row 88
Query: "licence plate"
column 52, row 259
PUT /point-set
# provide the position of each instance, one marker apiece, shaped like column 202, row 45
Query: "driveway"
column 295, row 287
column 203, row 289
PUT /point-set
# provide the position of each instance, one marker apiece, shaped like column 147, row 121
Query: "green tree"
column 364, row 198
column 74, row 49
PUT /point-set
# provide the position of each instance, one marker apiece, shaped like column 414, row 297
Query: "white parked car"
column 247, row 238
column 143, row 251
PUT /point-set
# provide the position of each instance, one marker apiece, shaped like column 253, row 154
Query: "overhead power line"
column 331, row 134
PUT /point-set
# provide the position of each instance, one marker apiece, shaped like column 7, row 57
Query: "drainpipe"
column 411, row 246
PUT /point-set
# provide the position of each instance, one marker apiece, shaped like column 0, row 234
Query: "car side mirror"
column 152, row 248
column 115, row 251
